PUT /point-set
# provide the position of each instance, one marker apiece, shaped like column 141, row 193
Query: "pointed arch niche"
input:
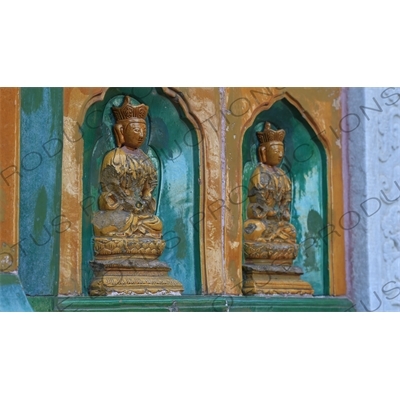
column 313, row 161
column 174, row 142
column 305, row 165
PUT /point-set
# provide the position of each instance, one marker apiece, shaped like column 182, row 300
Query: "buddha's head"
column 271, row 149
column 130, row 128
column 272, row 153
column 131, row 134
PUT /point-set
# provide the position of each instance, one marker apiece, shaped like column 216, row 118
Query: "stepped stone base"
column 122, row 277
column 273, row 279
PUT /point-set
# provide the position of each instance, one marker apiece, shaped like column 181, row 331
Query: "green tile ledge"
column 190, row 303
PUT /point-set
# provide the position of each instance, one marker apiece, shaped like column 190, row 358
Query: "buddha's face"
column 134, row 134
column 274, row 152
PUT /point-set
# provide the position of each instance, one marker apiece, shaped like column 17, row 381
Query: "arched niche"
column 305, row 164
column 173, row 144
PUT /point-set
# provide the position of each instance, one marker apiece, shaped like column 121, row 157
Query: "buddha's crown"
column 128, row 111
column 269, row 135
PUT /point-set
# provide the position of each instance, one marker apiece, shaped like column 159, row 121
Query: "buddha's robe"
column 128, row 178
column 268, row 211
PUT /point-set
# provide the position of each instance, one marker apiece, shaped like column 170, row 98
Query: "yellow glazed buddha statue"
column 269, row 238
column 270, row 194
column 128, row 234
column 128, row 178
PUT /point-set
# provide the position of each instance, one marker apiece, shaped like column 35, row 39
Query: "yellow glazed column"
column 204, row 104
column 76, row 102
column 10, row 176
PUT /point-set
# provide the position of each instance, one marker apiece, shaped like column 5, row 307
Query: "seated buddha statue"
column 128, row 234
column 269, row 195
column 128, row 178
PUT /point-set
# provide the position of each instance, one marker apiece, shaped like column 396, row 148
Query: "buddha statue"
column 270, row 194
column 269, row 238
column 128, row 234
column 128, row 178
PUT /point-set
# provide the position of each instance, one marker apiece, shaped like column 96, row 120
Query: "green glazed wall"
column 40, row 221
